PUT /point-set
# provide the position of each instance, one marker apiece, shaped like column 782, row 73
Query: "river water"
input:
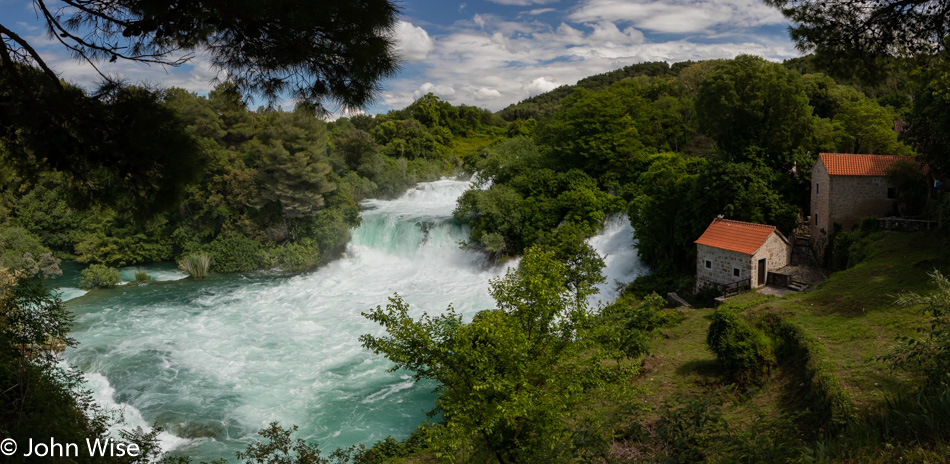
column 214, row 361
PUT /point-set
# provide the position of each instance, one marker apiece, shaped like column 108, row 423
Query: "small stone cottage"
column 729, row 251
column 847, row 188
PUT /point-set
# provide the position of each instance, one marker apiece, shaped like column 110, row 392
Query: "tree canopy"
column 118, row 143
column 875, row 27
column 514, row 378
column 749, row 102
column 306, row 50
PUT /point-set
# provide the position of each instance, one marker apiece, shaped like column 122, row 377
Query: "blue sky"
column 491, row 53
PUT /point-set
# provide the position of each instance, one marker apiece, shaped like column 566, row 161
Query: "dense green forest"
column 277, row 189
column 675, row 146
column 855, row 371
column 542, row 378
column 272, row 189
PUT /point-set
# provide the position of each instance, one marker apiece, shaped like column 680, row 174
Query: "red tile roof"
column 744, row 237
column 841, row 164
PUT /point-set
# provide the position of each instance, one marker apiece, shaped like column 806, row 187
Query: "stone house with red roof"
column 847, row 188
column 730, row 251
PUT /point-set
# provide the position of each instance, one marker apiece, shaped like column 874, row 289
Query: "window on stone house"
column 736, row 272
column 891, row 193
column 816, row 188
column 816, row 219
column 708, row 264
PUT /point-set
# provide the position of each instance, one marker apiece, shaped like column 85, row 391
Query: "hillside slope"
column 828, row 396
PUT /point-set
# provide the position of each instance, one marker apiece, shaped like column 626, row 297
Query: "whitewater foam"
column 616, row 245
column 214, row 361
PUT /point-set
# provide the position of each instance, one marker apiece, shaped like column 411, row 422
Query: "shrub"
column 690, row 428
column 21, row 250
column 744, row 352
column 295, row 257
column 928, row 356
column 141, row 276
column 196, row 265
column 99, row 276
column 236, row 253
column 627, row 325
column 651, row 283
column 851, row 248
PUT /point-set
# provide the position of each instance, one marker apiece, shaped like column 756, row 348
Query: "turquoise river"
column 213, row 361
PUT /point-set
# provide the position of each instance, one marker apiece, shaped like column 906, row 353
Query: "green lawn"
column 681, row 362
column 853, row 313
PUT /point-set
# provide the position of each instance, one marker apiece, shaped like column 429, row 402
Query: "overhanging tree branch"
column 9, row 64
column 310, row 51
column 871, row 27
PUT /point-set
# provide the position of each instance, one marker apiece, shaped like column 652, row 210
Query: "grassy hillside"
column 828, row 392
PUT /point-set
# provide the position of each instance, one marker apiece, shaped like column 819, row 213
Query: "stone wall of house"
column 844, row 200
column 820, row 201
column 854, row 198
column 722, row 264
column 777, row 253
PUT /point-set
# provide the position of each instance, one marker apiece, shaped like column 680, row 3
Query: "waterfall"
column 212, row 362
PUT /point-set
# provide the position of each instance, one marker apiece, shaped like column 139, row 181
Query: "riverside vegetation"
column 543, row 378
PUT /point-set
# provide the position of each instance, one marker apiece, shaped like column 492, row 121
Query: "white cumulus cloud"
column 679, row 16
column 499, row 58
column 539, row 86
column 484, row 94
column 446, row 92
column 522, row 2
column 413, row 43
column 606, row 32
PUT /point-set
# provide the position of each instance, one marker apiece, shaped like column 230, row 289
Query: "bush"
column 295, row 257
column 943, row 212
column 690, row 428
column 928, row 356
column 627, row 325
column 236, row 253
column 99, row 276
column 851, row 248
column 21, row 250
column 196, row 265
column 695, row 429
column 651, row 283
column 744, row 352
column 141, row 276
column 390, row 449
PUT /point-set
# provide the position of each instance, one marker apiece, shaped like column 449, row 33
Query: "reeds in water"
column 196, row 265
column 141, row 276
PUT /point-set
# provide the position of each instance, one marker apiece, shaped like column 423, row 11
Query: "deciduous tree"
column 511, row 380
column 749, row 102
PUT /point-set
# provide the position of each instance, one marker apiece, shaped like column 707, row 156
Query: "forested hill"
column 548, row 102
column 542, row 378
column 674, row 147
column 262, row 189
column 671, row 145
column 889, row 84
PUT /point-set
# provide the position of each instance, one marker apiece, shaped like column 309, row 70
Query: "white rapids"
column 212, row 362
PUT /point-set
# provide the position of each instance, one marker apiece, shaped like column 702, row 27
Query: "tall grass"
column 196, row 265
column 141, row 276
